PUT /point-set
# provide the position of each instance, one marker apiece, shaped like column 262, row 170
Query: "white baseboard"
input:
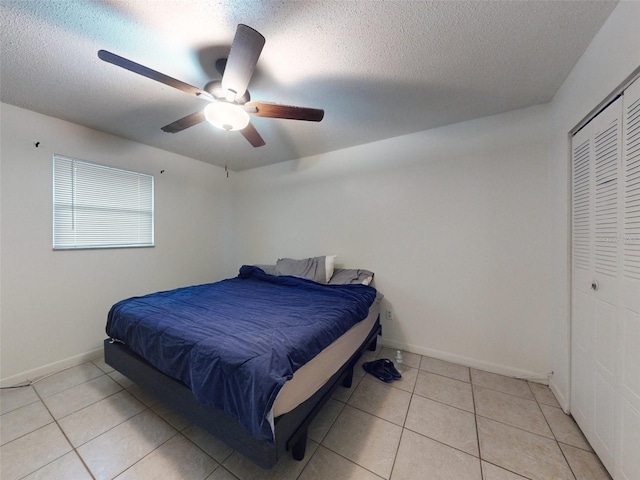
column 54, row 367
column 536, row 377
column 562, row 400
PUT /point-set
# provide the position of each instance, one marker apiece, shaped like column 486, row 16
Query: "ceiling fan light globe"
column 226, row 116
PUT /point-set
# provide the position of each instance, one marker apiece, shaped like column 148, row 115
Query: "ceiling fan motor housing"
column 215, row 88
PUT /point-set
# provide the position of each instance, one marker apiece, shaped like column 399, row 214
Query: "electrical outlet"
column 389, row 314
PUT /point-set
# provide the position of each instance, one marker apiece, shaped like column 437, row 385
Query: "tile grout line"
column 404, row 428
column 380, row 418
column 181, row 432
column 478, row 432
column 443, row 443
column 444, row 376
column 475, row 421
column 38, row 380
column 149, row 453
column 27, row 433
column 518, row 428
column 320, row 444
column 146, row 408
column 413, row 393
column 553, row 433
column 521, row 428
column 507, row 470
column 404, row 422
column 88, row 405
column 73, row 448
column 340, row 455
column 506, row 393
column 345, row 404
column 395, row 457
column 446, row 404
column 21, row 406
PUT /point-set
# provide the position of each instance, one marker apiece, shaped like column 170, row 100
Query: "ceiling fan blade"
column 221, row 64
column 184, row 123
column 251, row 134
column 152, row 74
column 245, row 51
column 273, row 110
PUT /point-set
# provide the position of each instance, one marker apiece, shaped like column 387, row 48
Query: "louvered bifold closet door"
column 605, row 318
column 595, row 278
column 582, row 328
column 582, row 154
column 628, row 444
column 607, row 140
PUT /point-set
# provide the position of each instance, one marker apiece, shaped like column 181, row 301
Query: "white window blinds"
column 96, row 206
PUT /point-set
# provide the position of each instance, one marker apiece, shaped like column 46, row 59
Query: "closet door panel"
column 582, row 326
column 604, row 421
column 629, row 404
column 631, row 358
column 583, row 392
column 606, row 348
column 630, row 436
column 597, row 155
column 607, row 158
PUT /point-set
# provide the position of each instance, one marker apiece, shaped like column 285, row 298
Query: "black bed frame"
column 290, row 429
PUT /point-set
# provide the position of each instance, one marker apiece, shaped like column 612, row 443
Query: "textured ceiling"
column 379, row 69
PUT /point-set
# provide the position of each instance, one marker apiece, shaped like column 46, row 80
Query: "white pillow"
column 329, row 264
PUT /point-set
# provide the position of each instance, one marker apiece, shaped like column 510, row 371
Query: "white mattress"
column 313, row 375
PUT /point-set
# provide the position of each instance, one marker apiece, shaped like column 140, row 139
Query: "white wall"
column 453, row 221
column 612, row 55
column 54, row 303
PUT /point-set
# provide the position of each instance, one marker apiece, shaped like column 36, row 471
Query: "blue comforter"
column 236, row 342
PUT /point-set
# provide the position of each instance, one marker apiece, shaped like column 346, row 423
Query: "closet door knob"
column 595, row 286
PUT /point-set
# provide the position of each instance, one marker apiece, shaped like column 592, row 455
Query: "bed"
column 250, row 359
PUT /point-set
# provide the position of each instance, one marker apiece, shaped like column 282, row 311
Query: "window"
column 96, row 206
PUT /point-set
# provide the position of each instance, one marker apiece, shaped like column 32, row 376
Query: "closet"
column 605, row 323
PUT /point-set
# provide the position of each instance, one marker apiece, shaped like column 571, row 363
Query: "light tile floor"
column 440, row 421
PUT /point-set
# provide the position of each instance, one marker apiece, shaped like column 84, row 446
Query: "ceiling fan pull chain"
column 226, row 150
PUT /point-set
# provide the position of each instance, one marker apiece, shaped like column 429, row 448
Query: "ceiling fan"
column 230, row 100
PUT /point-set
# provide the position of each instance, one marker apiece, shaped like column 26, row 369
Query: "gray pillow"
column 312, row 268
column 343, row 276
column 270, row 269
